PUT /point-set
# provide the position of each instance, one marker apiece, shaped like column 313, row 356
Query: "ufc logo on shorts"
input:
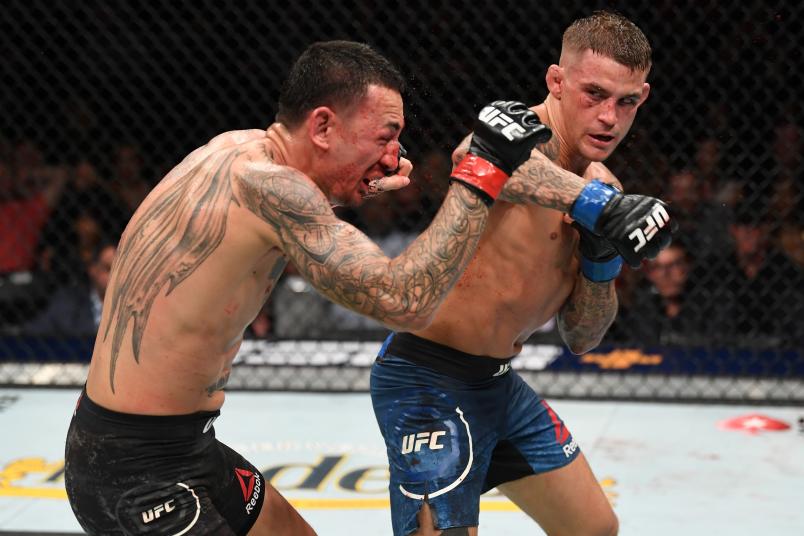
column 156, row 511
column 494, row 117
column 655, row 221
column 414, row 442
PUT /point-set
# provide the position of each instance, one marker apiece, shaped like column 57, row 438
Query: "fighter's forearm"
column 349, row 269
column 587, row 314
column 434, row 262
column 541, row 182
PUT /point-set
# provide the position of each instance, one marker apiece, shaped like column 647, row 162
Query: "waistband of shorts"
column 164, row 425
column 444, row 359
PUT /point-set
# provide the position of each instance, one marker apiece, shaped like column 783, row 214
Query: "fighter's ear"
column 645, row 93
column 555, row 80
column 320, row 125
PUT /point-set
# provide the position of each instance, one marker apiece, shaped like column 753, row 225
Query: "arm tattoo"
column 587, row 314
column 176, row 233
column 347, row 267
column 551, row 148
column 541, row 182
column 538, row 181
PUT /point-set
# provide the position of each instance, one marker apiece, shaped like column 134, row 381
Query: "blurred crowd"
column 733, row 277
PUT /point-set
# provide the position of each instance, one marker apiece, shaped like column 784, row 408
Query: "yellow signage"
column 29, row 478
column 621, row 359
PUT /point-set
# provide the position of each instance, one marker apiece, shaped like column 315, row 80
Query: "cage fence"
column 101, row 99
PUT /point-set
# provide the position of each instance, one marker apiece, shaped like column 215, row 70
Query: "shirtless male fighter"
column 456, row 420
column 203, row 252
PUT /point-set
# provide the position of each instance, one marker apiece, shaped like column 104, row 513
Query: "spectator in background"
column 787, row 197
column 128, row 176
column 670, row 308
column 767, row 288
column 790, row 239
column 786, row 148
column 788, row 183
column 716, row 188
column 702, row 222
column 75, row 310
column 28, row 191
column 86, row 213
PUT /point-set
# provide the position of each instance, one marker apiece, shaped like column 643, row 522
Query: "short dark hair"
column 612, row 35
column 333, row 73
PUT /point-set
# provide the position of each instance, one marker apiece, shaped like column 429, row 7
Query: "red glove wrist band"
column 481, row 174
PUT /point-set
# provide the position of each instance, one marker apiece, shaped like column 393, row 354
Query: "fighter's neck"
column 279, row 145
column 569, row 157
column 287, row 149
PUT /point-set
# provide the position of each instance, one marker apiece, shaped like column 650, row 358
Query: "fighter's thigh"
column 567, row 500
column 439, row 444
column 279, row 518
column 438, row 453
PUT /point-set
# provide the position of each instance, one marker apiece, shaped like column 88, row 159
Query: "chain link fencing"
column 101, row 98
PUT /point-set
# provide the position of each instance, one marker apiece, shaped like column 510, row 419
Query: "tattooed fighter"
column 199, row 258
column 456, row 420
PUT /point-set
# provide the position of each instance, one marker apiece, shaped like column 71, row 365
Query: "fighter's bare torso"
column 522, row 273
column 193, row 269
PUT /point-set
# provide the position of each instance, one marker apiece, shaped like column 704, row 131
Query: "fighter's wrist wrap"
column 590, row 202
column 600, row 272
column 481, row 176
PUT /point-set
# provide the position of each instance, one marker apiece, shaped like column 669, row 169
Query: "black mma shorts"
column 142, row 474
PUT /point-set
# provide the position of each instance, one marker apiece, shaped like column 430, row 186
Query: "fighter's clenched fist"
column 505, row 133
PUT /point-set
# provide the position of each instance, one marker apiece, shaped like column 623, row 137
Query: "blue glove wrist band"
column 590, row 202
column 600, row 272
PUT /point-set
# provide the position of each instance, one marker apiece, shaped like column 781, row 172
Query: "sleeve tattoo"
column 541, row 182
column 348, row 268
column 587, row 314
column 538, row 181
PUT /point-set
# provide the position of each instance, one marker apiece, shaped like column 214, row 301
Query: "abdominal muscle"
column 521, row 275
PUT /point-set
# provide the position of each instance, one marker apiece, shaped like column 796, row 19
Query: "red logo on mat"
column 246, row 479
column 753, row 424
column 562, row 434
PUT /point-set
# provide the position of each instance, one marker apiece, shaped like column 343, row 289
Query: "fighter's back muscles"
column 344, row 265
column 169, row 237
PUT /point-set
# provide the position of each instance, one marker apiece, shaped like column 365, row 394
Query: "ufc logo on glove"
column 493, row 117
column 654, row 221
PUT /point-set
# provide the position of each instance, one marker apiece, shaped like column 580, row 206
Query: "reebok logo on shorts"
column 251, row 485
column 562, row 434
